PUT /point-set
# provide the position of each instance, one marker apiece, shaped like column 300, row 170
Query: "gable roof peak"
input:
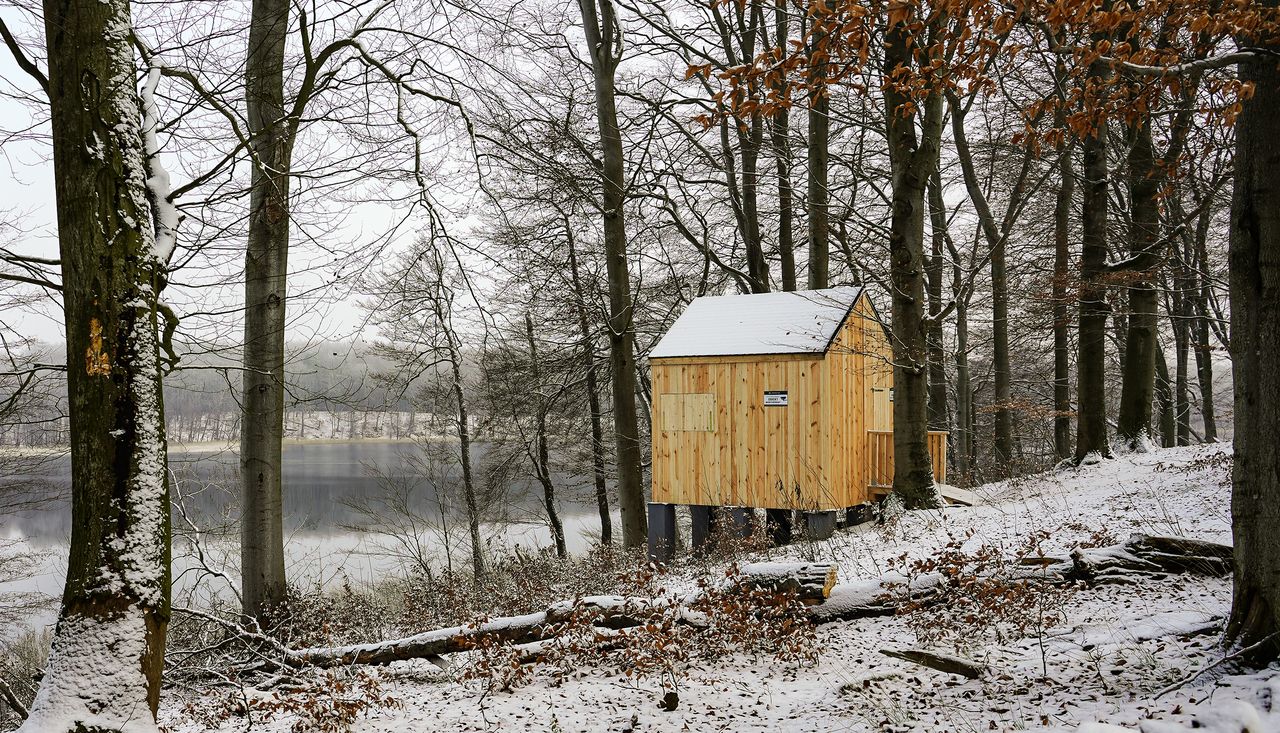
column 782, row 322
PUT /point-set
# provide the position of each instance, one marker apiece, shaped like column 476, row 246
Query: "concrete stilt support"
column 819, row 525
column 741, row 520
column 662, row 532
column 700, row 529
column 779, row 523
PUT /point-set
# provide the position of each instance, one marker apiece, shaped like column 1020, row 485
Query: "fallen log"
column 1183, row 554
column 874, row 597
column 1149, row 555
column 941, row 662
column 612, row 612
column 1184, row 546
column 810, row 582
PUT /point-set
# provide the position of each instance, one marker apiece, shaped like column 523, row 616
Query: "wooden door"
column 881, row 417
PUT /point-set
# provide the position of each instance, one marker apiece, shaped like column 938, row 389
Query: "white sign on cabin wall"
column 775, row 398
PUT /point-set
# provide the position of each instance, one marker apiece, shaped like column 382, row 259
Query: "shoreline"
column 215, row 446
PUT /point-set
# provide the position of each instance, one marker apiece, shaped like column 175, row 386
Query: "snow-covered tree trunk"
column 108, row 650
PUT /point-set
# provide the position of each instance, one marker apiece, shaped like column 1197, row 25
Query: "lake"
column 322, row 482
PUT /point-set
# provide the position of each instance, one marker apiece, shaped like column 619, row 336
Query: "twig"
column 1233, row 655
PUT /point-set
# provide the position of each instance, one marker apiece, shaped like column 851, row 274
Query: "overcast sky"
column 27, row 201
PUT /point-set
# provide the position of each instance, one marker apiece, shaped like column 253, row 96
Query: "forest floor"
column 1103, row 661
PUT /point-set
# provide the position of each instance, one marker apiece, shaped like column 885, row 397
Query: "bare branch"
column 20, row 57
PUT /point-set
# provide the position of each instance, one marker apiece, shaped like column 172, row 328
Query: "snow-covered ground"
column 1114, row 650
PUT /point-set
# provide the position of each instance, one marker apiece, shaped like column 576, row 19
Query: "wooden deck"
column 880, row 459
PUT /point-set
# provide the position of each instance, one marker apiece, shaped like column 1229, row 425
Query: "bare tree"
column 416, row 515
column 1147, row 175
column 272, row 133
column 604, row 43
column 914, row 156
column 415, row 311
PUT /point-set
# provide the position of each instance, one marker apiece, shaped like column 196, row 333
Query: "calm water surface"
column 321, row 480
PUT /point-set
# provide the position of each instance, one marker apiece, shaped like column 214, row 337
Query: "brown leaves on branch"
column 1122, row 60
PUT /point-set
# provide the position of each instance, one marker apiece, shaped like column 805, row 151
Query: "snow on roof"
column 801, row 322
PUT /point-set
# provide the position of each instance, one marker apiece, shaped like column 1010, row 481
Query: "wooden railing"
column 880, row 457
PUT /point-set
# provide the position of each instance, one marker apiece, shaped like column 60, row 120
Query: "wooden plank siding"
column 727, row 448
column 752, row 450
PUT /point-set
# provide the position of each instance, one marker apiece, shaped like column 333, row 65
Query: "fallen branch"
column 1233, row 655
column 810, row 582
column 6, row 694
column 941, row 662
column 613, row 612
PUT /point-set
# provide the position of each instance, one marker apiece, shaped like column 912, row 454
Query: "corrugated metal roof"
column 802, row 322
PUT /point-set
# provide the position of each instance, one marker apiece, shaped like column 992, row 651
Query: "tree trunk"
column 962, row 437
column 1204, row 376
column 1138, row 382
column 1181, row 346
column 912, row 162
column 542, row 454
column 1091, row 375
column 1002, row 446
column 818, row 194
column 104, row 670
column 1202, row 344
column 604, row 39
column 265, row 268
column 750, row 142
column 780, row 135
column 464, row 447
column 1164, row 397
column 1061, row 307
column 593, row 396
column 939, row 404
column 1255, row 350
column 1180, row 308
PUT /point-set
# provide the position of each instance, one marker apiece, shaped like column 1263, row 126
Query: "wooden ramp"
column 952, row 495
column 958, row 496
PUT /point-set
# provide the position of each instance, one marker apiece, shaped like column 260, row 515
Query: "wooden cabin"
column 777, row 401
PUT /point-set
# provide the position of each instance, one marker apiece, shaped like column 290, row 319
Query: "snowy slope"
column 1118, row 647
